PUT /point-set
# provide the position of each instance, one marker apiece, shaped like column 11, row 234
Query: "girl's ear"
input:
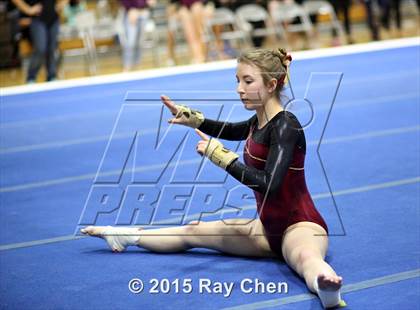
column 272, row 85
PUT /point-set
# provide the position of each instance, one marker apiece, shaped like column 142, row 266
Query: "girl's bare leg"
column 304, row 248
column 242, row 237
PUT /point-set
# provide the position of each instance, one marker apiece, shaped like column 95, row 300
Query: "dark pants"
column 344, row 7
column 392, row 5
column 371, row 20
column 44, row 44
column 385, row 6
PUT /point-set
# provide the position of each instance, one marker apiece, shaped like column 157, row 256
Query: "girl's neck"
column 267, row 111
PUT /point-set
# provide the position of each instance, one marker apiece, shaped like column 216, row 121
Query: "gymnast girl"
column 288, row 226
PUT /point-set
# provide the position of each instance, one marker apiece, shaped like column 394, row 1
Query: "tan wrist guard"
column 191, row 118
column 219, row 155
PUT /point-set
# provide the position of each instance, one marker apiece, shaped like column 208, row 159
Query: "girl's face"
column 251, row 88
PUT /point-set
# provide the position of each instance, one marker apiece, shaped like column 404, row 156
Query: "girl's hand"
column 183, row 115
column 213, row 149
column 171, row 106
column 202, row 144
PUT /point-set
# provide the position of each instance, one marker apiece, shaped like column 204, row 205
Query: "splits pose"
column 288, row 227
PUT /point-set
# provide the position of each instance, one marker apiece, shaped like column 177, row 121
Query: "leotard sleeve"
column 227, row 130
column 283, row 135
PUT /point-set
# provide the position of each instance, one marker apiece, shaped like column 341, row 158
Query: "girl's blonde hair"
column 272, row 64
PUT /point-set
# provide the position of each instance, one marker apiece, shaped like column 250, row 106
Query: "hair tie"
column 285, row 59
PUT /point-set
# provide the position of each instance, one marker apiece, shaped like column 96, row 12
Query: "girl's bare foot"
column 118, row 238
column 329, row 283
column 328, row 289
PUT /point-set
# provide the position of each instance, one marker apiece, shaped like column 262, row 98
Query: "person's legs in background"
column 342, row 6
column 51, row 59
column 126, row 51
column 39, row 37
column 388, row 9
column 396, row 7
column 141, row 23
column 337, row 9
column 385, row 9
column 192, row 34
column 200, row 13
column 172, row 16
column 371, row 20
column 132, row 25
column 345, row 8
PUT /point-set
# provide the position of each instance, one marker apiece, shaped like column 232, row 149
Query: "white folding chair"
column 322, row 7
column 85, row 22
column 293, row 18
column 249, row 13
column 231, row 32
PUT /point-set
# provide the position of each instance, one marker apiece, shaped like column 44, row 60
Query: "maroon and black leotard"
column 274, row 169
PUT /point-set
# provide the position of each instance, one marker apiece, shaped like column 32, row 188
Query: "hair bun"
column 285, row 57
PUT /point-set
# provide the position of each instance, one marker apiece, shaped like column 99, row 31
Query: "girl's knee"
column 307, row 254
column 303, row 254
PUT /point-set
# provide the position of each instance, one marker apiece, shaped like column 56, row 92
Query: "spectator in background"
column 10, row 30
column 223, row 48
column 191, row 14
column 392, row 7
column 342, row 6
column 43, row 29
column 371, row 20
column 385, row 7
column 136, row 14
column 171, row 13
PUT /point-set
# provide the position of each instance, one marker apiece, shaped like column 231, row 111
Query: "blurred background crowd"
column 46, row 40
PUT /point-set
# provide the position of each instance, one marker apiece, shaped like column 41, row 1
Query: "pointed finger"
column 169, row 104
column 202, row 134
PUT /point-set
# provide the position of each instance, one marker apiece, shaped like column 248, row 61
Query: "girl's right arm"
column 183, row 115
